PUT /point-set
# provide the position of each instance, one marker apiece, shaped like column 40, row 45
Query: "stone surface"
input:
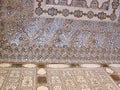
column 42, row 88
column 103, row 10
column 41, row 71
column 25, row 37
column 80, row 78
column 58, row 66
column 114, row 65
column 29, row 65
column 21, row 78
column 90, row 65
column 3, row 65
column 17, row 79
column 110, row 71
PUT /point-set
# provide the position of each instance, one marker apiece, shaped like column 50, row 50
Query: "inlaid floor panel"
column 17, row 79
column 80, row 79
column 41, row 77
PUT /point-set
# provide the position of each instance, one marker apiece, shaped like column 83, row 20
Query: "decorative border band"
column 52, row 11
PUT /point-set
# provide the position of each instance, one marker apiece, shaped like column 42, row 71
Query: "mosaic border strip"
column 66, row 12
column 93, row 4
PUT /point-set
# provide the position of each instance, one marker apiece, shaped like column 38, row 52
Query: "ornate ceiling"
column 59, row 31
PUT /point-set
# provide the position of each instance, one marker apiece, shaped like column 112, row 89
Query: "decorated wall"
column 105, row 10
column 60, row 31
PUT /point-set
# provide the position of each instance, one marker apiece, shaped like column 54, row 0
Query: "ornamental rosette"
column 52, row 11
column 78, row 13
column 39, row 11
column 102, row 15
column 65, row 12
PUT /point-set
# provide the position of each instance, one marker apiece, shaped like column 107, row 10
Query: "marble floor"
column 59, row 76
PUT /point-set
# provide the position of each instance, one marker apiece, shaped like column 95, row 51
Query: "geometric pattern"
column 80, row 79
column 81, row 3
column 17, row 79
column 104, row 10
column 61, row 39
column 73, row 78
column 28, row 38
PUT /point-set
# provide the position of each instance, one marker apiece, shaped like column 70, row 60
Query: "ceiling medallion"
column 71, row 10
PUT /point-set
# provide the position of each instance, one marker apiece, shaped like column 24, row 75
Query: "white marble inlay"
column 5, row 65
column 90, row 65
column 29, row 65
column 42, row 88
column 56, row 1
column 69, row 2
column 58, row 65
column 114, row 65
column 41, row 71
column 119, row 84
column 110, row 71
